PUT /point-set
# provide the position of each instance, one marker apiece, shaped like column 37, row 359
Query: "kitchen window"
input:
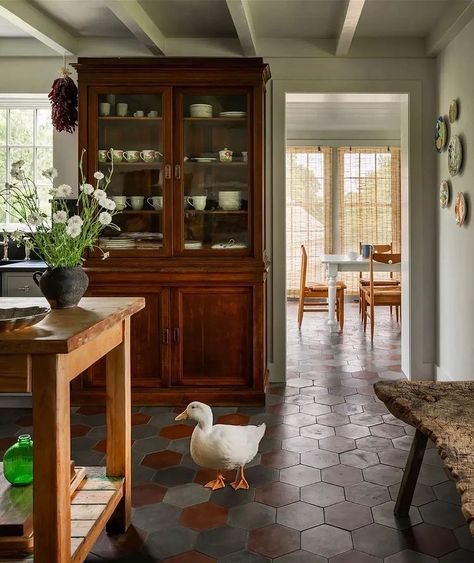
column 26, row 133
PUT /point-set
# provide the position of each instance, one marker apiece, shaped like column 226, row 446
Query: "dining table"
column 336, row 263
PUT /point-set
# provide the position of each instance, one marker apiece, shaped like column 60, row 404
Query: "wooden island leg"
column 119, row 427
column 51, row 460
column 410, row 474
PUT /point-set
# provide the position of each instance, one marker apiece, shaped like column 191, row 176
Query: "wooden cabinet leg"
column 119, row 426
column 51, row 460
column 410, row 475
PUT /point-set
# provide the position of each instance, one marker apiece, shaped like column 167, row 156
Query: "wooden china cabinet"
column 188, row 148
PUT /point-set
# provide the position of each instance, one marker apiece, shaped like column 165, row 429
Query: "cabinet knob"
column 165, row 336
column 167, row 171
column 177, row 171
column 176, row 335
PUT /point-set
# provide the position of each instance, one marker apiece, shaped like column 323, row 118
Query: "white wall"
column 455, row 252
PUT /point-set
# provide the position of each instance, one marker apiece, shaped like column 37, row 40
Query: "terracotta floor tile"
column 26, row 420
column 140, row 418
column 91, row 409
column 159, row 460
column 277, row 494
column 235, row 418
column 204, row 516
column 147, row 493
column 203, row 476
column 79, row 430
column 102, row 446
column 274, row 541
column 176, row 432
column 190, row 557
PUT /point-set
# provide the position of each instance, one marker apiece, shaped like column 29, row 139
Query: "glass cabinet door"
column 132, row 132
column 213, row 172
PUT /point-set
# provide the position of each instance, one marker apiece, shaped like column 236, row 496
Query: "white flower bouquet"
column 62, row 238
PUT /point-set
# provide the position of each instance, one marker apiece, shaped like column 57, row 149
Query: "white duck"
column 221, row 446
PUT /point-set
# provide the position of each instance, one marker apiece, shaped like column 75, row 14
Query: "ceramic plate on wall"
column 460, row 208
column 441, row 133
column 444, row 193
column 454, row 155
column 453, row 111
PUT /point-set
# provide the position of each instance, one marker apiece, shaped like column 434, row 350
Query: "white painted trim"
column 441, row 375
column 350, row 20
column 451, row 22
column 24, row 101
column 40, row 26
column 137, row 20
column 240, row 13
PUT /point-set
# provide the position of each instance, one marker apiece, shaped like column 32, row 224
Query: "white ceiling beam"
column 133, row 16
column 37, row 24
column 240, row 13
column 452, row 21
column 348, row 27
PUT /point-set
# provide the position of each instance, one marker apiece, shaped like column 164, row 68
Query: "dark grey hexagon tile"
column 316, row 409
column 422, row 495
column 300, row 444
column 300, row 516
column 177, row 539
column 337, row 444
column 383, row 514
column 355, row 557
column 300, row 556
column 333, row 419
column 300, row 475
column 143, row 431
column 149, row 445
column 365, row 419
column 383, row 474
column 387, row 431
column 444, row 514
column 359, row 458
column 375, row 408
column 464, row 538
column 343, row 475
column 187, row 495
column 322, row 494
column 359, row 399
column 403, row 442
column 174, row 476
column 390, row 419
column 268, row 418
column 347, row 408
column 458, row 556
column 300, row 399
column 141, row 474
column 378, row 540
column 353, row 431
column 98, row 433
column 431, row 475
column 447, row 491
column 181, row 446
column 348, row 515
column 221, row 541
column 432, row 457
column 394, row 457
column 410, row 556
column 373, row 444
column 367, row 494
column 319, row 459
column 330, row 399
column 326, row 541
column 87, row 457
column 317, row 431
column 244, row 557
column 269, row 445
column 153, row 517
column 84, row 443
column 229, row 498
column 258, row 475
column 299, row 419
column 251, row 515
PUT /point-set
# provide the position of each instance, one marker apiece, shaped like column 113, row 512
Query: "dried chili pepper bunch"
column 63, row 98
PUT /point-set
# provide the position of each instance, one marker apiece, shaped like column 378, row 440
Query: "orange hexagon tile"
column 140, row 418
column 235, row 418
column 159, row 460
column 176, row 431
column 204, row 516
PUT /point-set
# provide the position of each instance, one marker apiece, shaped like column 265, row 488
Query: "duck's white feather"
column 225, row 446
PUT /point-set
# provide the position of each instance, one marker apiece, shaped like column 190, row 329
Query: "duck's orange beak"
column 182, row 416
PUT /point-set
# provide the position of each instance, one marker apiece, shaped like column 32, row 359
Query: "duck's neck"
column 206, row 424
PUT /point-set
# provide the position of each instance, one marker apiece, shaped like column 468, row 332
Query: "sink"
column 8, row 262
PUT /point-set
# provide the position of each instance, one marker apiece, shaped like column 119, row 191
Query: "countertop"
column 22, row 266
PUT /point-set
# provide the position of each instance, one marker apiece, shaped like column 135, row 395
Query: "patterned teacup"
column 148, row 155
column 102, row 155
column 115, row 154
column 131, row 156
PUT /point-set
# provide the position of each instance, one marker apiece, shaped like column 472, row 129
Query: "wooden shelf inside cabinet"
column 215, row 120
column 142, row 211
column 215, row 163
column 144, row 165
column 216, row 212
column 117, row 118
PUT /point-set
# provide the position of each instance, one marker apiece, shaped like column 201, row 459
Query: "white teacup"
column 148, row 155
column 115, row 154
column 120, row 202
column 156, row 202
column 198, row 202
column 104, row 109
column 131, row 156
column 102, row 155
column 153, row 113
column 122, row 109
column 139, row 113
column 137, row 202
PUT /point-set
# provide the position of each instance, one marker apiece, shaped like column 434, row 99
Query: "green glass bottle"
column 18, row 461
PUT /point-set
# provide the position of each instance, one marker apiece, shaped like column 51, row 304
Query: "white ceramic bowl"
column 200, row 110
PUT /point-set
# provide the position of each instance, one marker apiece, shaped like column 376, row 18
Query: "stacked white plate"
column 200, row 110
column 229, row 245
column 233, row 114
column 116, row 243
column 192, row 244
column 139, row 235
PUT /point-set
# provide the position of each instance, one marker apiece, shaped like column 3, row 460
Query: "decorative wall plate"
column 453, row 111
column 441, row 133
column 444, row 193
column 460, row 208
column 454, row 155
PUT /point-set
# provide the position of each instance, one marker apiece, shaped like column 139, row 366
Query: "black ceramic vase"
column 62, row 287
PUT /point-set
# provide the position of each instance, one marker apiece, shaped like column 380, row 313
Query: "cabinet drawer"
column 19, row 285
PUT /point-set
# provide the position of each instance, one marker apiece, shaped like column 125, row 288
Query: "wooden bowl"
column 15, row 318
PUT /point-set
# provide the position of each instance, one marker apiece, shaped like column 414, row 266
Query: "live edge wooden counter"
column 53, row 353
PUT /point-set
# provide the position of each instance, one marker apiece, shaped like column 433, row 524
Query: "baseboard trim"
column 16, row 401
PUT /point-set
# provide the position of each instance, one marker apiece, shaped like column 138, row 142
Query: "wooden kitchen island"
column 46, row 358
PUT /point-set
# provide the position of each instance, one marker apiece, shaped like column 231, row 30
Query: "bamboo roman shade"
column 308, row 212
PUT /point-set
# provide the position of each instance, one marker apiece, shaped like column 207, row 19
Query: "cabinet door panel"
column 214, row 344
column 149, row 353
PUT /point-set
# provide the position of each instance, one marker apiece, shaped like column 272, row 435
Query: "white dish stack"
column 229, row 201
column 200, row 110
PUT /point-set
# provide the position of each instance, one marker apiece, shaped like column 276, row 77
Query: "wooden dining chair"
column 375, row 296
column 378, row 249
column 317, row 291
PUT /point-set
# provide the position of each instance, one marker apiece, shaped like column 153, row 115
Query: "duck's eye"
column 193, row 407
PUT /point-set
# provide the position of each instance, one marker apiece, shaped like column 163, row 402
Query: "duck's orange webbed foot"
column 241, row 481
column 217, row 483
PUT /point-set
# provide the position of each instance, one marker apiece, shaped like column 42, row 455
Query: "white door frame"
column 418, row 296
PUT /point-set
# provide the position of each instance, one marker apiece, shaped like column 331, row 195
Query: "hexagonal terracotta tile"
column 26, row 420
column 79, row 430
column 177, row 431
column 274, row 541
column 91, row 409
column 139, row 418
column 190, row 557
column 147, row 493
column 102, row 446
column 277, row 494
column 203, row 476
column 159, row 460
column 234, row 418
column 204, row 516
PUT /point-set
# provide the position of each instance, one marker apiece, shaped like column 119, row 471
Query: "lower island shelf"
column 94, row 497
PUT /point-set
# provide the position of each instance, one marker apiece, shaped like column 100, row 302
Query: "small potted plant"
column 62, row 238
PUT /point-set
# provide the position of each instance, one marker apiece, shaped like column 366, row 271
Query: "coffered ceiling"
column 269, row 28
